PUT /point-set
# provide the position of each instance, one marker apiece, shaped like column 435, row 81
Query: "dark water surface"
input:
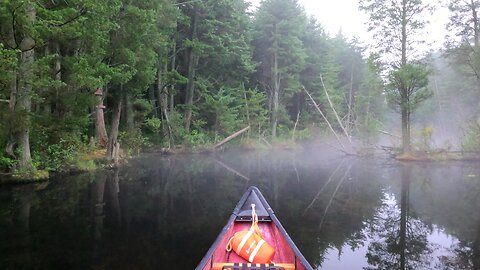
column 165, row 212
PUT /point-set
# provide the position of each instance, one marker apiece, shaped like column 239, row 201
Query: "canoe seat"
column 253, row 266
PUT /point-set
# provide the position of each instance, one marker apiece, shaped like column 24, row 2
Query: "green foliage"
column 424, row 141
column 471, row 140
column 153, row 124
column 254, row 110
column 7, row 162
column 407, row 86
column 138, row 52
column 8, row 62
column 303, row 134
column 133, row 140
column 177, row 125
column 369, row 107
column 279, row 29
column 386, row 21
column 224, row 106
column 196, row 138
column 60, row 156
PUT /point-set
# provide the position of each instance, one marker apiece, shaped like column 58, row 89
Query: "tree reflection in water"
column 342, row 214
column 399, row 240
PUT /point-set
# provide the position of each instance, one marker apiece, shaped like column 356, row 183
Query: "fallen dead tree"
column 231, row 137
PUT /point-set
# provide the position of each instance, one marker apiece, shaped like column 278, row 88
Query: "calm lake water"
column 165, row 212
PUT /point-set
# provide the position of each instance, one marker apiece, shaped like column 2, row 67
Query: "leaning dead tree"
column 326, row 119
column 335, row 112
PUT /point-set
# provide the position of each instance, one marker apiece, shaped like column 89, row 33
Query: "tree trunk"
column 9, row 148
column 112, row 152
column 172, row 87
column 100, row 130
column 476, row 30
column 231, row 137
column 24, row 91
column 405, row 108
column 58, row 73
column 162, row 98
column 129, row 114
column 326, row 120
column 192, row 58
column 350, row 103
column 339, row 121
column 404, row 32
column 405, row 128
column 247, row 110
column 276, row 87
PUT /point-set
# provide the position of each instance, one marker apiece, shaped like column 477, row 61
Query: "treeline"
column 79, row 75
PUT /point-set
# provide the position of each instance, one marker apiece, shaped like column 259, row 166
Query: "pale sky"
column 334, row 15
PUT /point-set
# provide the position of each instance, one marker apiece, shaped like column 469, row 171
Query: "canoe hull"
column 286, row 253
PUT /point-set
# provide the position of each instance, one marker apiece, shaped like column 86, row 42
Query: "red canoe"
column 287, row 256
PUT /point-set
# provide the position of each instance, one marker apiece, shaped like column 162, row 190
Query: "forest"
column 81, row 79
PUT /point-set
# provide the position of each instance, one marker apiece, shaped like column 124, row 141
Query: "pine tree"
column 279, row 27
column 396, row 25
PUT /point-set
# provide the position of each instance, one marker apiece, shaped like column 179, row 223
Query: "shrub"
column 133, row 140
column 471, row 141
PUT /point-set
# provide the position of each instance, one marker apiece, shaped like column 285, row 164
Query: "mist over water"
column 165, row 212
column 443, row 120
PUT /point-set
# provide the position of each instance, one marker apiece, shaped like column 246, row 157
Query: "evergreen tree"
column 463, row 48
column 279, row 26
column 396, row 24
column 217, row 57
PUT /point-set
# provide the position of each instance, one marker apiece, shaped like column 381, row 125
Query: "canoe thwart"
column 253, row 266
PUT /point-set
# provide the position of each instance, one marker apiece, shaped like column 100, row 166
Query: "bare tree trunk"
column 162, row 95
column 112, row 149
column 350, row 102
column 100, row 130
column 192, row 59
column 58, row 73
column 9, row 148
column 335, row 112
column 295, row 126
column 24, row 100
column 231, row 137
column 405, row 129
column 276, row 87
column 172, row 88
column 476, row 28
column 326, row 119
column 247, row 111
column 405, row 106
